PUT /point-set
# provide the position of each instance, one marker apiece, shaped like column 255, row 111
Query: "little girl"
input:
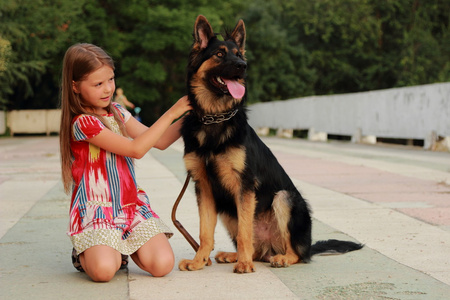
column 110, row 216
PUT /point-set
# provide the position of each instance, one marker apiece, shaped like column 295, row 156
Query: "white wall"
column 407, row 113
column 34, row 121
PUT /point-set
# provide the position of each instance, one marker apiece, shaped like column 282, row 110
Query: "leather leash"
column 177, row 223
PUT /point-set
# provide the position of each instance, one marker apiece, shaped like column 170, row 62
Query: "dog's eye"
column 220, row 54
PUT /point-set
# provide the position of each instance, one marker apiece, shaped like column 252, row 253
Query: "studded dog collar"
column 218, row 118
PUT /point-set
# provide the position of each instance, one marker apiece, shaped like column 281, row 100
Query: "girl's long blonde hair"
column 79, row 61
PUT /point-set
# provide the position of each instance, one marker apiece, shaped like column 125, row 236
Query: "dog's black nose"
column 241, row 65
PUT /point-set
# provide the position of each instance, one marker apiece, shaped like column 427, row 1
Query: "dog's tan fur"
column 236, row 176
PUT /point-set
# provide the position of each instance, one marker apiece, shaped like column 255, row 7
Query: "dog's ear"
column 238, row 35
column 202, row 32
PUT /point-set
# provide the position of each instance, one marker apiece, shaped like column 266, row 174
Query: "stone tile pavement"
column 395, row 200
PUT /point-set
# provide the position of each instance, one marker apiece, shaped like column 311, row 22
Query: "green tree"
column 425, row 48
column 341, row 40
column 5, row 53
column 149, row 41
column 152, row 45
column 360, row 45
column 277, row 64
column 294, row 47
column 36, row 32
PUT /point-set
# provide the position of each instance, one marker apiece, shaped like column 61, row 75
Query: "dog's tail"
column 330, row 247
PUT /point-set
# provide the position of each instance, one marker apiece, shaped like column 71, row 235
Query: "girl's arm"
column 170, row 136
column 136, row 128
column 144, row 137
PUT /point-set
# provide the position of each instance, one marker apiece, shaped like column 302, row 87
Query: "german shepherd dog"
column 236, row 175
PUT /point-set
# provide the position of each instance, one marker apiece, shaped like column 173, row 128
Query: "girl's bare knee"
column 102, row 272
column 163, row 266
column 168, row 264
column 160, row 266
column 155, row 256
column 100, row 263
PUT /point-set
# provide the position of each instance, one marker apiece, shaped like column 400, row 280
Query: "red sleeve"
column 86, row 127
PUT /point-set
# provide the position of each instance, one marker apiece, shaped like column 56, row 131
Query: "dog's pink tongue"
column 236, row 89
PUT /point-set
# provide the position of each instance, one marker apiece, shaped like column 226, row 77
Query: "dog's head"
column 216, row 69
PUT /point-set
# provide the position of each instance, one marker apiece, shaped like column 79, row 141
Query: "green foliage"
column 36, row 31
column 278, row 65
column 154, row 43
column 294, row 47
column 350, row 45
column 5, row 86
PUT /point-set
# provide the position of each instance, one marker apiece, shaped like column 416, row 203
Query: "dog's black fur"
column 236, row 175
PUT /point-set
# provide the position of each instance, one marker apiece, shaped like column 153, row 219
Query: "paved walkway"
column 395, row 200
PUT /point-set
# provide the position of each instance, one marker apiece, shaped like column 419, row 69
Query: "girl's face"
column 97, row 89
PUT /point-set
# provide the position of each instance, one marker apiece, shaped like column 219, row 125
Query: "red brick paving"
column 425, row 200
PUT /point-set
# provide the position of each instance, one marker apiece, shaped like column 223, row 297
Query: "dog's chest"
column 225, row 167
column 212, row 137
column 229, row 162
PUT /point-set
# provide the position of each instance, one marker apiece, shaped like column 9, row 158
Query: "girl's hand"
column 180, row 107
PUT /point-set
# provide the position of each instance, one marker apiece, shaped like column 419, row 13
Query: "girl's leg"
column 101, row 262
column 155, row 256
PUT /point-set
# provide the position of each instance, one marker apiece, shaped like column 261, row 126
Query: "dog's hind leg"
column 285, row 260
column 207, row 212
column 282, row 214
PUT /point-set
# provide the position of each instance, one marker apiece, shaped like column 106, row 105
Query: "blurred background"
column 295, row 48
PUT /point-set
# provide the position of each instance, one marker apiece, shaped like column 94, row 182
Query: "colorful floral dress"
column 107, row 207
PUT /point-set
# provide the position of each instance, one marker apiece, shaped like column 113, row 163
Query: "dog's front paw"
column 191, row 265
column 226, row 257
column 244, row 267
